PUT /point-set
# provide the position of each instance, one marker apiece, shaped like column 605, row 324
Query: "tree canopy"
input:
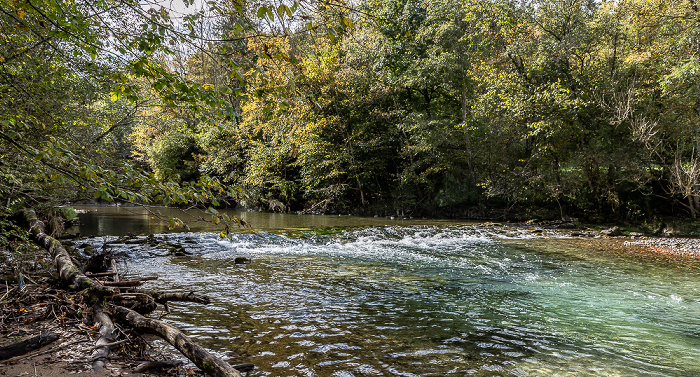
column 475, row 109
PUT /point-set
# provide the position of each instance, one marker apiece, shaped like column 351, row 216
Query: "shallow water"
column 418, row 300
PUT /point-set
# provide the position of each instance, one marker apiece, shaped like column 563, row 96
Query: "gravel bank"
column 688, row 247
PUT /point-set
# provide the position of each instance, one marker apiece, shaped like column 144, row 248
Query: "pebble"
column 678, row 246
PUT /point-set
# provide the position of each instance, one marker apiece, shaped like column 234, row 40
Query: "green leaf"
column 261, row 12
column 332, row 34
column 237, row 28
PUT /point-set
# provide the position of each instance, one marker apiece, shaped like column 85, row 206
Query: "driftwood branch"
column 98, row 274
column 117, row 343
column 209, row 363
column 26, row 346
column 165, row 297
column 123, row 283
column 115, row 272
column 156, row 365
column 69, row 273
column 140, row 302
column 143, row 301
column 107, row 337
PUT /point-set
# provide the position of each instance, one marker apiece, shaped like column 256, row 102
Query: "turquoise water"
column 431, row 301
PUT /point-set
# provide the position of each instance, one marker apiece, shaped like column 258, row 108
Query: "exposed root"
column 66, row 313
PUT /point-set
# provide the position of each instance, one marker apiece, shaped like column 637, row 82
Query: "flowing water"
column 411, row 299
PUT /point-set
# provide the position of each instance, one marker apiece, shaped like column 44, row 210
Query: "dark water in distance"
column 422, row 300
column 118, row 221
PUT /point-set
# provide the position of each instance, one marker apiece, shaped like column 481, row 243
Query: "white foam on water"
column 428, row 245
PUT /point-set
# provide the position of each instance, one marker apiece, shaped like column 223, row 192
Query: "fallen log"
column 128, row 283
column 107, row 337
column 67, row 270
column 115, row 273
column 147, row 297
column 207, row 362
column 101, row 294
column 123, row 283
column 165, row 297
column 26, row 346
column 139, row 302
column 98, row 274
column 156, row 365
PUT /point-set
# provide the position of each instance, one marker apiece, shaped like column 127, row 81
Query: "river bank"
column 633, row 241
column 38, row 305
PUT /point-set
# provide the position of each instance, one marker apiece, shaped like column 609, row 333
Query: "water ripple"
column 424, row 301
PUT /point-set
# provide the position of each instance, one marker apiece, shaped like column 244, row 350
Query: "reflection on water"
column 120, row 220
column 431, row 301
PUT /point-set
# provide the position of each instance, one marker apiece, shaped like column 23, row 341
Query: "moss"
column 208, row 367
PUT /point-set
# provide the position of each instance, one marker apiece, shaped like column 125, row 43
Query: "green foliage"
column 81, row 81
column 13, row 238
column 574, row 108
column 445, row 108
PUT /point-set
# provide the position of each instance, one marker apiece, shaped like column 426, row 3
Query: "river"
column 345, row 296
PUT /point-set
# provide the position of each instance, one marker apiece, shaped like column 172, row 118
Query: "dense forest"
column 475, row 109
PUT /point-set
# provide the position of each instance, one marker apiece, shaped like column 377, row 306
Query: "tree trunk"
column 69, row 273
column 467, row 138
column 210, row 364
column 691, row 205
column 107, row 336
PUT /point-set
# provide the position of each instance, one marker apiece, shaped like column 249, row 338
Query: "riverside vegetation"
column 480, row 109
